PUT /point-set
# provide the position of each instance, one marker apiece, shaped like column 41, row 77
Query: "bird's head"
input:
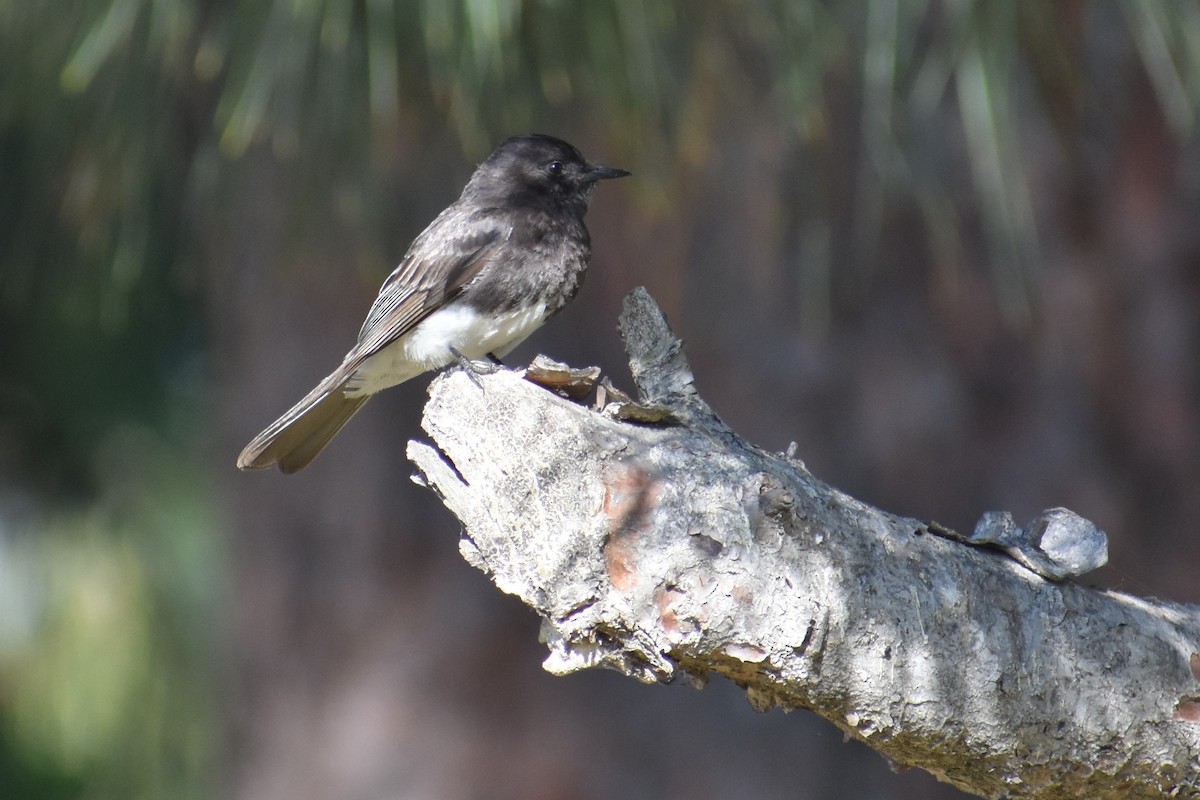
column 535, row 169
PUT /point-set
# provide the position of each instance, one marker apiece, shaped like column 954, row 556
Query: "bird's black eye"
column 555, row 167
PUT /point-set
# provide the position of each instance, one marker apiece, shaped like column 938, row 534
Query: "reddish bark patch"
column 1188, row 710
column 742, row 595
column 749, row 653
column 1195, row 661
column 664, row 599
column 631, row 496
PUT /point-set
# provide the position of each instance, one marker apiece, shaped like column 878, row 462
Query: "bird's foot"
column 476, row 368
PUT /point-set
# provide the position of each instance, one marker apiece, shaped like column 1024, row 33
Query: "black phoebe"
column 486, row 273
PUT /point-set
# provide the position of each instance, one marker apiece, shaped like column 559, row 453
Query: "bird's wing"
column 432, row 274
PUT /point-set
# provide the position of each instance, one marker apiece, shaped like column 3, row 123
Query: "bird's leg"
column 479, row 367
column 474, row 368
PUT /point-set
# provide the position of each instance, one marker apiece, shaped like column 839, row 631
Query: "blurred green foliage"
column 110, row 624
column 121, row 122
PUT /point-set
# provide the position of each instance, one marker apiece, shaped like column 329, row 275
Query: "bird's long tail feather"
column 295, row 439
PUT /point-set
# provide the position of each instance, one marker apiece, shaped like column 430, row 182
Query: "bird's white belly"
column 428, row 345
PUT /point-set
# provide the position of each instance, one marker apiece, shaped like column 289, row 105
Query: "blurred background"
column 952, row 249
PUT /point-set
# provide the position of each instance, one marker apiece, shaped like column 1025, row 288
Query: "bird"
column 489, row 270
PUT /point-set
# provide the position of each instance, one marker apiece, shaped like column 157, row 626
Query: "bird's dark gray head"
column 537, row 170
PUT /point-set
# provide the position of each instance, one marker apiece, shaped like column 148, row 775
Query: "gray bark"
column 652, row 540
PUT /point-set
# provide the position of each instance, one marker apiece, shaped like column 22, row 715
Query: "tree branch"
column 653, row 540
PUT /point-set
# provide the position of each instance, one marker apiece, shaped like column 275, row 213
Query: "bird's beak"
column 601, row 173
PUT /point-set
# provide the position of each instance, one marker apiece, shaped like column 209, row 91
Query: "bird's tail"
column 295, row 439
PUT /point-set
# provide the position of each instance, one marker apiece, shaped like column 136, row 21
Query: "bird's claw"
column 474, row 369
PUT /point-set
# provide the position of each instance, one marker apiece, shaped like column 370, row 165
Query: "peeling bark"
column 652, row 540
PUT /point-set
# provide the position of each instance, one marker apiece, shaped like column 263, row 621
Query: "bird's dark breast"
column 542, row 262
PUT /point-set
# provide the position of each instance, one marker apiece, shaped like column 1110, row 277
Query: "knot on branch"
column 1056, row 544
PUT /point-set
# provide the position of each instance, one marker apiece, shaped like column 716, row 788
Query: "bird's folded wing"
column 424, row 282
